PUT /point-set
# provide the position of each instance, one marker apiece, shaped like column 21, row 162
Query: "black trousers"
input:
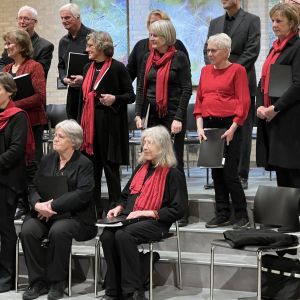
column 246, row 142
column 226, row 180
column 51, row 264
column 113, row 180
column 288, row 177
column 8, row 237
column 121, row 253
column 72, row 106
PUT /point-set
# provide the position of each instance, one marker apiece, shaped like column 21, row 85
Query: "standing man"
column 42, row 49
column 73, row 41
column 244, row 30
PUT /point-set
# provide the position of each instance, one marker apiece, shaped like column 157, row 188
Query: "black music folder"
column 76, row 63
column 119, row 221
column 24, row 87
column 280, row 80
column 51, row 187
column 211, row 151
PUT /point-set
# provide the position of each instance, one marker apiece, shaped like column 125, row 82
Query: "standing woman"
column 14, row 130
column 166, row 86
column 19, row 49
column 106, row 91
column 278, row 139
column 223, row 101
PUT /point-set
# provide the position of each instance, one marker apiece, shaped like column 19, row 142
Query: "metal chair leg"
column 207, row 176
column 151, row 271
column 259, row 265
column 97, row 265
column 179, row 270
column 17, row 263
column 212, row 258
column 70, row 275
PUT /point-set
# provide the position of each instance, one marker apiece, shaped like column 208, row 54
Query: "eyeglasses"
column 212, row 51
column 25, row 19
column 7, row 44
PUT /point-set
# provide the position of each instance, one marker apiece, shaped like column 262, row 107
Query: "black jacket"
column 245, row 35
column 42, row 53
column 12, row 153
column 174, row 198
column 80, row 176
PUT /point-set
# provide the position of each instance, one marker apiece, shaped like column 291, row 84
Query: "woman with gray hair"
column 106, row 91
column 223, row 101
column 60, row 216
column 156, row 192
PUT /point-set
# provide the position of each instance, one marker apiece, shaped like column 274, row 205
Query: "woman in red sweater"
column 19, row 48
column 223, row 102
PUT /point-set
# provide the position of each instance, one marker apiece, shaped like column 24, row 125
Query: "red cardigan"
column 223, row 93
column 33, row 105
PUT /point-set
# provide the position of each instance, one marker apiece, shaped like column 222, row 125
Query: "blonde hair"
column 160, row 136
column 165, row 29
column 157, row 12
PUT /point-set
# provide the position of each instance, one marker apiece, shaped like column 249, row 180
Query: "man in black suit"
column 73, row 41
column 42, row 49
column 244, row 30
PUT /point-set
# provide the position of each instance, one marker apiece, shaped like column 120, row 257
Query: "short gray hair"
column 221, row 40
column 102, row 41
column 161, row 137
column 72, row 8
column 73, row 130
column 33, row 11
column 165, row 29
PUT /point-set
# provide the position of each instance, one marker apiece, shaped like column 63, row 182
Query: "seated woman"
column 71, row 215
column 157, row 191
column 14, row 131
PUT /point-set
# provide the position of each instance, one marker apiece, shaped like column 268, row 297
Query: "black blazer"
column 80, row 175
column 42, row 53
column 12, row 153
column 245, row 35
column 278, row 141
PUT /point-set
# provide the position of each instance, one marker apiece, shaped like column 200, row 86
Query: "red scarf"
column 163, row 63
column 278, row 47
column 88, row 113
column 5, row 116
column 152, row 190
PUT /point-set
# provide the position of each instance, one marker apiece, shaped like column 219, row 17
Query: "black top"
column 80, row 176
column 69, row 44
column 175, row 195
column 42, row 53
column 111, row 141
column 135, row 60
column 179, row 91
column 12, row 154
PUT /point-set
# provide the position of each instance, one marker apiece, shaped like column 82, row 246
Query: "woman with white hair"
column 156, row 191
column 223, row 101
column 66, row 216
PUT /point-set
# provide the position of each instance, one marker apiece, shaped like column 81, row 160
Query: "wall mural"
column 110, row 16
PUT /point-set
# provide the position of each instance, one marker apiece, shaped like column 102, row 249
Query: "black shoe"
column 35, row 290
column 209, row 186
column 5, row 288
column 242, row 223
column 183, row 222
column 244, row 183
column 56, row 290
column 218, row 221
column 139, row 295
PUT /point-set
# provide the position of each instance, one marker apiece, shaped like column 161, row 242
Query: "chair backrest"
column 56, row 113
column 277, row 206
column 131, row 116
column 190, row 120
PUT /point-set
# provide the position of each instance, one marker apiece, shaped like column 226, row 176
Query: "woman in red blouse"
column 19, row 48
column 223, row 101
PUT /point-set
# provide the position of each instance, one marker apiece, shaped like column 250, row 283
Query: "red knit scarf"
column 88, row 113
column 152, row 190
column 163, row 63
column 5, row 116
column 278, row 47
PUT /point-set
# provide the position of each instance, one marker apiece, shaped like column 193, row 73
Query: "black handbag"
column 280, row 278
